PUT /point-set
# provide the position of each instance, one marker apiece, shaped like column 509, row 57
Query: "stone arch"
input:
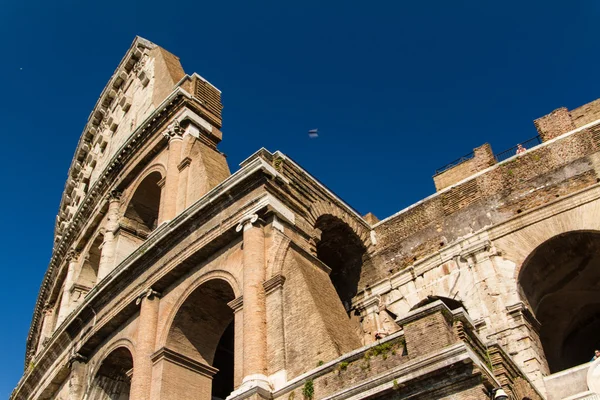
column 195, row 284
column 560, row 280
column 321, row 208
column 202, row 330
column 142, row 207
column 90, row 264
column 128, row 194
column 121, row 342
column 275, row 263
column 112, row 376
column 342, row 250
column 517, row 245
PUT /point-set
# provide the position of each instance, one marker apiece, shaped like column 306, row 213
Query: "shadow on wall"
column 342, row 251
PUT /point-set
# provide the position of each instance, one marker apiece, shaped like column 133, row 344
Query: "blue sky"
column 396, row 89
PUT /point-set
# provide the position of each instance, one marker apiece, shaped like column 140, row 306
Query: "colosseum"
column 172, row 278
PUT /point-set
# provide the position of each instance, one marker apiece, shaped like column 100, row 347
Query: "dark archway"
column 113, row 379
column 142, row 211
column 342, row 251
column 88, row 275
column 203, row 330
column 560, row 280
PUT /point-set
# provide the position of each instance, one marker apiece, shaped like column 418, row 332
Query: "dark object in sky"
column 313, row 133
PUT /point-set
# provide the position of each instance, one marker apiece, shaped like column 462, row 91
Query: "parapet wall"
column 521, row 183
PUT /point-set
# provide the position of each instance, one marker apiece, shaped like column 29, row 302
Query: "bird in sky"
column 313, row 133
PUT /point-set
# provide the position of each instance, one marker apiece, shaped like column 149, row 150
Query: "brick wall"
column 537, row 177
column 483, row 157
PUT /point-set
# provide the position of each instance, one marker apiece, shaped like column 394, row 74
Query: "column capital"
column 247, row 221
column 114, row 195
column 147, row 294
column 72, row 255
column 273, row 283
column 76, row 357
column 174, row 131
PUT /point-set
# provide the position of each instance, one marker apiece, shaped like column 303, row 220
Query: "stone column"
column 77, row 377
column 107, row 257
column 175, row 135
column 47, row 326
column 66, row 304
column 146, row 338
column 255, row 341
column 275, row 330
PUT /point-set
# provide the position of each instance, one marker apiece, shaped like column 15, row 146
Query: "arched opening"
column 560, row 281
column 141, row 214
column 88, row 275
column 203, row 330
column 342, row 251
column 113, row 379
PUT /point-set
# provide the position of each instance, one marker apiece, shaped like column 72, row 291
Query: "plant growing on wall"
column 308, row 391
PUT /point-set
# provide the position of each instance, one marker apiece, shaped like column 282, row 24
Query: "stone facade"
column 173, row 279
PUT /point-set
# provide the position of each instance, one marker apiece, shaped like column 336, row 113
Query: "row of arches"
column 202, row 329
column 560, row 281
column 141, row 217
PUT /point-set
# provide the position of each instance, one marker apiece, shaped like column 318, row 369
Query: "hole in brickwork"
column 342, row 251
column 560, row 281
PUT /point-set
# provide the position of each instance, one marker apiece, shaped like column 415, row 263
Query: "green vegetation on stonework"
column 308, row 391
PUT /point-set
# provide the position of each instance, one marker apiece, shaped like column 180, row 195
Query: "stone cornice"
column 273, row 283
column 184, row 361
column 264, row 201
column 237, row 303
column 94, row 198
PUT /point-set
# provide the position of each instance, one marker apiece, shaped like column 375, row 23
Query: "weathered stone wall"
column 483, row 157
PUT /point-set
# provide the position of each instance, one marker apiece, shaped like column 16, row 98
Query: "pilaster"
column 174, row 134
column 141, row 383
column 66, row 304
column 255, row 340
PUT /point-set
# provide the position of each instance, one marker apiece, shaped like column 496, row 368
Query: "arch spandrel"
column 319, row 209
column 225, row 269
column 128, row 194
column 519, row 244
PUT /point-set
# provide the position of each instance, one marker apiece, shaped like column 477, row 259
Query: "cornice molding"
column 184, row 361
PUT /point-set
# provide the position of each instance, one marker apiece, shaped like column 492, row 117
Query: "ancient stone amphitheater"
column 172, row 278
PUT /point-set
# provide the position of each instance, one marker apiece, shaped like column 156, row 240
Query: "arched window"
column 141, row 215
column 203, row 330
column 88, row 275
column 561, row 282
column 342, row 251
column 113, row 379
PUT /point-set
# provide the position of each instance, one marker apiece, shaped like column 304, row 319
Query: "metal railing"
column 529, row 143
column 454, row 163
